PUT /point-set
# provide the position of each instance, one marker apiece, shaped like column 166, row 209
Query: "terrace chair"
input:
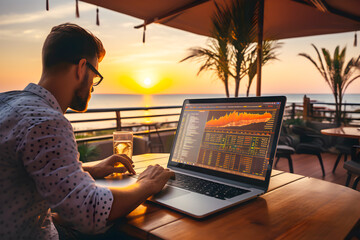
column 353, row 166
column 344, row 148
column 311, row 142
column 140, row 145
column 284, row 150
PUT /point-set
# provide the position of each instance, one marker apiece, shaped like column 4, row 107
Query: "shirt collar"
column 45, row 94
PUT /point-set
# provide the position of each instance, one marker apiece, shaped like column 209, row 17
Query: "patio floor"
column 308, row 165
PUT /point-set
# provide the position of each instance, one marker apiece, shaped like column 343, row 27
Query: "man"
column 38, row 154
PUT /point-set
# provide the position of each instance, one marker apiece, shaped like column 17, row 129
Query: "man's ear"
column 81, row 70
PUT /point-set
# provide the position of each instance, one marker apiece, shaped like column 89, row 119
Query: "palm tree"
column 269, row 54
column 335, row 75
column 216, row 56
column 243, row 33
column 230, row 50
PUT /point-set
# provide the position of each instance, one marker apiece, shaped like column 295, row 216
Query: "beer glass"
column 123, row 143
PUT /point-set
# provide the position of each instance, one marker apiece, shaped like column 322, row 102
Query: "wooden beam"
column 171, row 13
column 260, row 28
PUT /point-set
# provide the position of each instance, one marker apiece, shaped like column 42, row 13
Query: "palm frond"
column 327, row 58
column 349, row 82
column 313, row 61
column 349, row 66
column 243, row 23
column 322, row 68
column 342, row 58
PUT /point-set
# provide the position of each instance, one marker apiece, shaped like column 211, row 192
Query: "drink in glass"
column 123, row 143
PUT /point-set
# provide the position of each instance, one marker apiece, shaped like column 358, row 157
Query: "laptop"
column 222, row 154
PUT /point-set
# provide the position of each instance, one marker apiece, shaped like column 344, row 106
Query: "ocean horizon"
column 139, row 100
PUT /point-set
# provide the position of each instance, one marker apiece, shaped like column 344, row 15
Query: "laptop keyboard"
column 205, row 187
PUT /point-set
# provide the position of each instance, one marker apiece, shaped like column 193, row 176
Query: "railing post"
column 306, row 106
column 118, row 121
column 293, row 111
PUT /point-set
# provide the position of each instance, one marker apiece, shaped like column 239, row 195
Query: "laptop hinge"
column 216, row 179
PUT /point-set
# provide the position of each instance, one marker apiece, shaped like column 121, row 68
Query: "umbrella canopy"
column 281, row 18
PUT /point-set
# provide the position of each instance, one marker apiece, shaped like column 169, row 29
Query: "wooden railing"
column 121, row 123
column 141, row 127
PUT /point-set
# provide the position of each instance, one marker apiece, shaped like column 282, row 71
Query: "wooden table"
column 348, row 132
column 295, row 207
column 345, row 132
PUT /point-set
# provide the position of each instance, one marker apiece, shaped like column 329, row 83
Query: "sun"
column 147, row 82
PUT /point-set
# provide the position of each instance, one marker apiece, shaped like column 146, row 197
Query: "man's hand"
column 155, row 177
column 151, row 181
column 108, row 166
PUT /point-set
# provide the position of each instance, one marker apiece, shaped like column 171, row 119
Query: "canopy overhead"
column 277, row 19
column 282, row 18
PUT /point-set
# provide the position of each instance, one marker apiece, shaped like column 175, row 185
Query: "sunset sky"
column 131, row 67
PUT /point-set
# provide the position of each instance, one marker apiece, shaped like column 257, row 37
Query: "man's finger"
column 172, row 174
column 126, row 164
column 116, row 159
column 120, row 169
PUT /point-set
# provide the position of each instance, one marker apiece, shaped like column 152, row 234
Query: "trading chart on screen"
column 231, row 138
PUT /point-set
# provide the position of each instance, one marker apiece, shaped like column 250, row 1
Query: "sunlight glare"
column 147, row 82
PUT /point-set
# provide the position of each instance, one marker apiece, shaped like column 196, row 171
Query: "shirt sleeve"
column 50, row 157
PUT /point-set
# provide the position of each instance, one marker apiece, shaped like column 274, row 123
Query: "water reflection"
column 147, row 100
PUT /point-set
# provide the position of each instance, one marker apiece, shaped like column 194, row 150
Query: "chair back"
column 355, row 153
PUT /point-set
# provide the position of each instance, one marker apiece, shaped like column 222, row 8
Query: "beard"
column 81, row 97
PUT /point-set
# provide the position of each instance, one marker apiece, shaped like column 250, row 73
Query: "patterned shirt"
column 39, row 170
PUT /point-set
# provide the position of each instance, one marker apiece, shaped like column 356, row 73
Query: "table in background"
column 347, row 132
column 350, row 133
column 294, row 207
column 155, row 126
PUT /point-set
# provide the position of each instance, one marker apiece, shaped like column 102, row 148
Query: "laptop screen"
column 230, row 137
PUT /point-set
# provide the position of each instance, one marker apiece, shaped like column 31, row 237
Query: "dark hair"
column 69, row 43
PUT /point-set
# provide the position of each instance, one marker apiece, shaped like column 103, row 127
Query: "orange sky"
column 131, row 67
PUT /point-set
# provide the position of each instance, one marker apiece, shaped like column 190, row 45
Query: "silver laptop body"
column 228, row 141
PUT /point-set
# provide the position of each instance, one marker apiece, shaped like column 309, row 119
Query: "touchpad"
column 169, row 192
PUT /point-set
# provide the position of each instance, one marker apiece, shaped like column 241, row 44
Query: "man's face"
column 82, row 95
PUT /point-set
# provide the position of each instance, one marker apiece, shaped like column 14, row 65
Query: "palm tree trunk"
column 226, row 83
column 248, row 90
column 239, row 61
column 337, row 119
column 237, row 86
column 341, row 117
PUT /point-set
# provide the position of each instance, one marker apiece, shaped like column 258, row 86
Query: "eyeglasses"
column 98, row 78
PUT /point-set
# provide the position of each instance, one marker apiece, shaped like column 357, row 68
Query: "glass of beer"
column 123, row 143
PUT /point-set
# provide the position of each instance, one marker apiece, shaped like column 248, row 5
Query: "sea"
column 127, row 100
column 101, row 101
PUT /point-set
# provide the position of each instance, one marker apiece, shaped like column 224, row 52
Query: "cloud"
column 14, row 34
column 55, row 13
column 128, row 24
column 160, row 56
column 133, row 59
